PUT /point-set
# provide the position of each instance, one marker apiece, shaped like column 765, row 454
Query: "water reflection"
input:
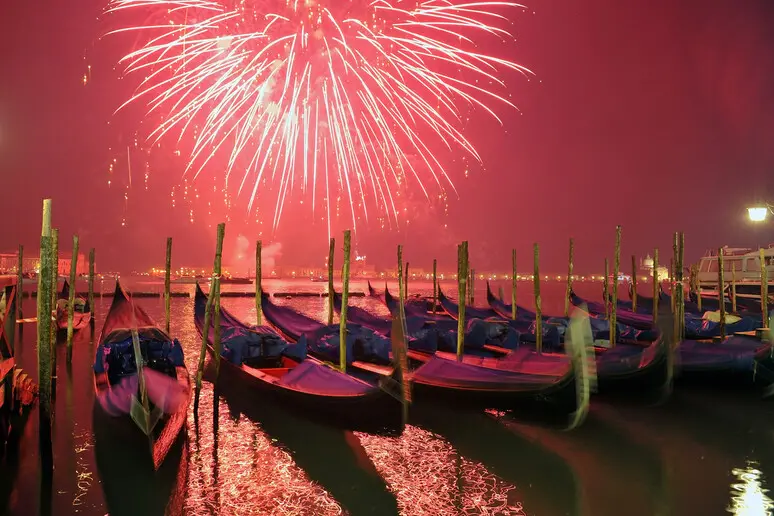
column 247, row 473
column 430, row 477
column 748, row 497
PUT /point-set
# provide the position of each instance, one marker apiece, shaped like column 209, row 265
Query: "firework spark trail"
column 271, row 84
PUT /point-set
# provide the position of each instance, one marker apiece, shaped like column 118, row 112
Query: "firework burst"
column 328, row 97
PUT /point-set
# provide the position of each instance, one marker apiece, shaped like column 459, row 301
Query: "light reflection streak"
column 252, row 475
column 748, row 497
column 429, row 477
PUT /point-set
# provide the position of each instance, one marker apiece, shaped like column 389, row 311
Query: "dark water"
column 703, row 452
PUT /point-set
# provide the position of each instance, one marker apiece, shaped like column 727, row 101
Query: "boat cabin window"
column 712, row 266
column 728, row 265
column 752, row 265
column 704, row 265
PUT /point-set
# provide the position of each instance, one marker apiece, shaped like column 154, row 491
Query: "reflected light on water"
column 748, row 498
column 429, row 477
column 243, row 472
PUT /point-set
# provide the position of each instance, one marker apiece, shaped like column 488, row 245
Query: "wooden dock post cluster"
column 213, row 301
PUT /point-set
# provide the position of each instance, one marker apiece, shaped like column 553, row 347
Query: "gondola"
column 81, row 310
column 635, row 320
column 631, row 366
column 272, row 367
column 696, row 327
column 645, row 306
column 525, row 382
column 149, row 419
column 738, row 360
column 414, row 307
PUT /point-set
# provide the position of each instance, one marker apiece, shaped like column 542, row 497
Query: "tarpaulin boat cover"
column 623, row 358
column 117, row 351
column 240, row 341
column 362, row 344
column 736, row 353
column 699, row 328
column 639, row 321
column 163, row 392
column 440, row 371
column 428, row 335
column 311, row 376
column 495, row 333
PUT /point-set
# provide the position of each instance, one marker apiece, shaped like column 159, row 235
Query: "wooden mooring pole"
column 435, row 284
column 91, row 285
column 614, row 301
column 258, row 283
column 568, row 290
column 54, row 294
column 71, row 298
column 634, row 283
column 44, row 310
column 462, row 278
column 167, row 284
column 208, row 312
column 331, row 251
column 344, row 302
column 655, row 286
column 402, row 277
column 606, row 289
column 19, row 283
column 721, row 295
column 514, row 282
column 405, row 282
column 471, row 287
column 764, row 291
column 538, row 308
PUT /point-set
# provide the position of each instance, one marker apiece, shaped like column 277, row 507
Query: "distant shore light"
column 757, row 213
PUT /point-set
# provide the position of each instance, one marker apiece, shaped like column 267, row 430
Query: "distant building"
column 31, row 264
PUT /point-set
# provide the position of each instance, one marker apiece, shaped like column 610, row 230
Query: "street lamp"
column 758, row 212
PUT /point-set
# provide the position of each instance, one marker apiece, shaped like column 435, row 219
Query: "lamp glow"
column 757, row 213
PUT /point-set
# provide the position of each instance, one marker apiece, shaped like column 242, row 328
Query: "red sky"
column 654, row 114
